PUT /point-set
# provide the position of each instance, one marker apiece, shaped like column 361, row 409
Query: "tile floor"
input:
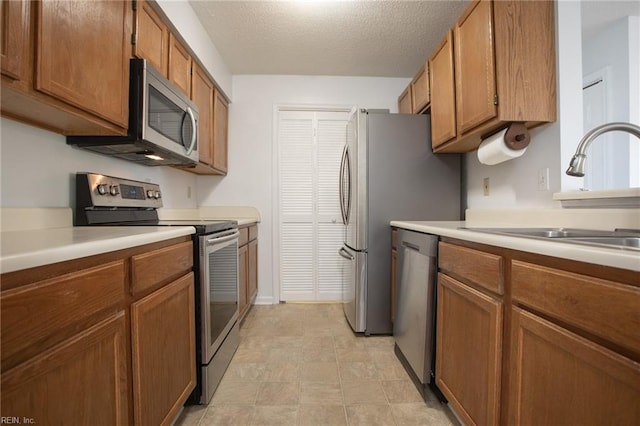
column 300, row 364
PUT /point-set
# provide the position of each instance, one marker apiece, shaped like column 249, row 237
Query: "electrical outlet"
column 485, row 186
column 543, row 179
column 189, row 192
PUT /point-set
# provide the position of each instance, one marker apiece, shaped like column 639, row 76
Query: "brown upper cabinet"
column 15, row 36
column 404, row 101
column 179, row 64
column 151, row 37
column 157, row 42
column 220, row 132
column 71, row 79
column 202, row 93
column 474, row 67
column 497, row 67
column 443, row 110
column 212, row 124
column 420, row 90
column 415, row 98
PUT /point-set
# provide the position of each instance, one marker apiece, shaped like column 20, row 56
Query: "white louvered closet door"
column 309, row 150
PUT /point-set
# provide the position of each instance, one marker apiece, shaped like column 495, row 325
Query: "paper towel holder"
column 517, row 136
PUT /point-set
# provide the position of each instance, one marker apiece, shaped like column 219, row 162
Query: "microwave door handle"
column 195, row 131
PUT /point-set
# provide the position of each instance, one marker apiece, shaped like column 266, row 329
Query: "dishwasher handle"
column 411, row 246
column 424, row 244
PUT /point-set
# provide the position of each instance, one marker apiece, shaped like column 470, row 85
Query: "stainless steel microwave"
column 163, row 123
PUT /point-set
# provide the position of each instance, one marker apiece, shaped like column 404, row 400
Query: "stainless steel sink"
column 622, row 239
column 622, row 242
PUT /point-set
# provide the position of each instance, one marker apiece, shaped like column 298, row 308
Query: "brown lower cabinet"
column 83, row 380
column 527, row 339
column 559, row 377
column 247, row 268
column 163, row 351
column 469, row 332
column 81, row 346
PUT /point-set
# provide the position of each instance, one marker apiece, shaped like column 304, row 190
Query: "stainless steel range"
column 111, row 201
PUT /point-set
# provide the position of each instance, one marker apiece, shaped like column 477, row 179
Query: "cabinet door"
column 558, row 378
column 243, row 278
column 163, row 352
column 420, row 90
column 220, row 133
column 202, row 93
column 469, row 351
column 252, row 288
column 14, row 34
column 152, row 37
column 475, row 67
column 443, row 99
column 179, row 65
column 82, row 381
column 82, row 55
column 404, row 101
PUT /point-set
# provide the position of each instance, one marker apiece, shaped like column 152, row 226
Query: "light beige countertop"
column 22, row 249
column 243, row 215
column 618, row 258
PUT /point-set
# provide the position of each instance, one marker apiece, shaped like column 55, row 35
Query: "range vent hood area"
column 163, row 123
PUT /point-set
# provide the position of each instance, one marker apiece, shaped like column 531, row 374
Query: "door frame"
column 275, row 179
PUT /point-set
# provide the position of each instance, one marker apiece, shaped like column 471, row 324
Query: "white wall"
column 514, row 184
column 38, row 169
column 616, row 47
column 251, row 144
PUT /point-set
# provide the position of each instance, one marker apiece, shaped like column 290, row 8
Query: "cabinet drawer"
column 473, row 266
column 603, row 308
column 37, row 316
column 244, row 236
column 253, row 232
column 159, row 266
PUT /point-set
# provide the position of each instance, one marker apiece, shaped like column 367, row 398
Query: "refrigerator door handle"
column 347, row 164
column 345, row 175
column 342, row 252
column 340, row 189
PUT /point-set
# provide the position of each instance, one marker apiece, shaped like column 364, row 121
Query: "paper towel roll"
column 505, row 145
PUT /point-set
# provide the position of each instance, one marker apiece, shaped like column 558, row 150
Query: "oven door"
column 219, row 288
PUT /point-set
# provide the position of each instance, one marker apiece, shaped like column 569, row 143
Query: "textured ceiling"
column 347, row 38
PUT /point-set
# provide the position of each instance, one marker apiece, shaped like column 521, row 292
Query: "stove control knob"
column 114, row 190
column 157, row 195
column 103, row 188
column 150, row 193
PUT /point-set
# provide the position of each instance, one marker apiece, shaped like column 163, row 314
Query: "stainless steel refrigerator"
column 387, row 172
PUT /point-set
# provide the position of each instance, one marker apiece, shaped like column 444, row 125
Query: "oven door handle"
column 223, row 238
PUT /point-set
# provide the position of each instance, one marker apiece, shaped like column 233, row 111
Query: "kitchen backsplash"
column 38, row 170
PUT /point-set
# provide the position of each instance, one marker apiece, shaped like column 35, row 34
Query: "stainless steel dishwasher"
column 413, row 327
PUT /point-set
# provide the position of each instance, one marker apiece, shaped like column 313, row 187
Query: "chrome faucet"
column 576, row 166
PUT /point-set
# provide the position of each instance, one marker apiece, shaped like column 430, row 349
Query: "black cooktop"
column 202, row 226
